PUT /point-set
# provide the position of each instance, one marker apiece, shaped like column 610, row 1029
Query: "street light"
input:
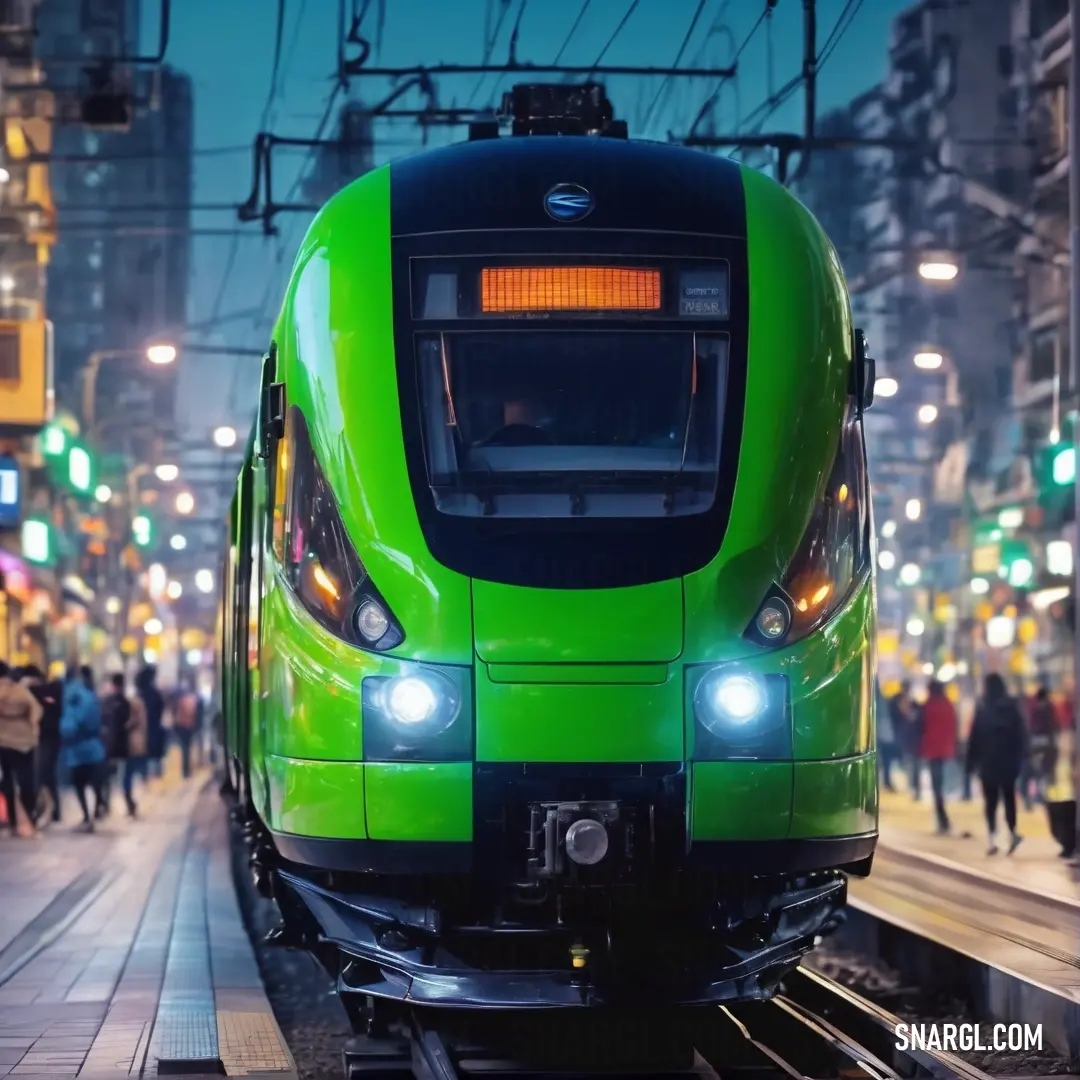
column 161, row 354
column 912, row 509
column 225, row 437
column 185, row 502
column 886, row 560
column 938, row 269
column 177, row 542
column 927, row 414
column 929, row 359
column 910, row 574
column 103, row 493
column 888, row 529
column 204, row 581
column 7, row 283
column 885, row 387
column 175, row 590
column 152, row 626
column 167, row 473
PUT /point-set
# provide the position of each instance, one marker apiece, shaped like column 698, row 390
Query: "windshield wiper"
column 669, row 500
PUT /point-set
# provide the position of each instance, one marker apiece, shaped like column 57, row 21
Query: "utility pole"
column 1074, row 324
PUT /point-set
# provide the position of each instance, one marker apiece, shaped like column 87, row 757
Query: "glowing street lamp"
column 927, row 414
column 103, row 493
column 204, row 581
column 152, row 627
column 178, row 542
column 938, row 268
column 161, row 354
column 174, row 590
column 929, row 359
column 185, row 502
column 225, row 437
column 167, row 473
column 885, row 387
column 913, row 509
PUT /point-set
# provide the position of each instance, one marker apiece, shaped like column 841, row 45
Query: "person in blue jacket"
column 82, row 750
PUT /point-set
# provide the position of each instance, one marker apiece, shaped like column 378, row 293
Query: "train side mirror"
column 273, row 414
column 863, row 374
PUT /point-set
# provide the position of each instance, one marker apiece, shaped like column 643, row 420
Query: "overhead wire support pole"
column 1074, row 324
column 809, row 85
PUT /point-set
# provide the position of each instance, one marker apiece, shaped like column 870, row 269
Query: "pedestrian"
column 50, row 697
column 187, row 716
column 1043, row 732
column 154, row 706
column 937, row 746
column 997, row 749
column 82, row 750
column 905, row 725
column 886, row 739
column 1061, row 793
column 125, row 736
column 20, row 717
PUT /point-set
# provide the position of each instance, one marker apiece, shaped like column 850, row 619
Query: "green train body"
column 650, row 607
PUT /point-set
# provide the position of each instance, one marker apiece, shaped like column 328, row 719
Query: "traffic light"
column 142, row 530
column 1063, row 466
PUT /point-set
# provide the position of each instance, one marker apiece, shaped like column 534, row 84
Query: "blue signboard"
column 10, row 493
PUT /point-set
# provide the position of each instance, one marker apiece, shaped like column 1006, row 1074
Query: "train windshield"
column 563, row 423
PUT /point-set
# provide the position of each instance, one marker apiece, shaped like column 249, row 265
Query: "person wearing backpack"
column 82, row 750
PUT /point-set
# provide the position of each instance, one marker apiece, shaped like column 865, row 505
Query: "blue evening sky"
column 227, row 48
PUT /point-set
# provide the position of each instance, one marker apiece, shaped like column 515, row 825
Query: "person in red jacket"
column 938, row 746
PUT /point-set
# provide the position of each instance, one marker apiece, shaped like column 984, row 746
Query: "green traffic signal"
column 1064, row 466
column 142, row 530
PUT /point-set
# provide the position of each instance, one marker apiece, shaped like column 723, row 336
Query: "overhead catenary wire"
column 684, row 44
column 582, row 11
column 627, row 16
column 271, row 96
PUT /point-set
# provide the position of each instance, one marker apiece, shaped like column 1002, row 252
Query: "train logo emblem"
column 568, row 202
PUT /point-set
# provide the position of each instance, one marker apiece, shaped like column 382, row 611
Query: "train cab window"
column 563, row 423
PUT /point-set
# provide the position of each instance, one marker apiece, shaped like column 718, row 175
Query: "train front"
column 604, row 546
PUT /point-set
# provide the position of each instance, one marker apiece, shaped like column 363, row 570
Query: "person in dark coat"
column 997, row 750
column 1043, row 731
column 938, row 746
column 50, row 696
column 82, row 750
column 154, row 704
column 906, row 733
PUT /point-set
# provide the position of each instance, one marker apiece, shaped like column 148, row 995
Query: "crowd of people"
column 1015, row 747
column 58, row 733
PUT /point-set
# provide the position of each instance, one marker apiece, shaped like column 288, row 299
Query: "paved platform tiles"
column 1018, row 913
column 123, row 953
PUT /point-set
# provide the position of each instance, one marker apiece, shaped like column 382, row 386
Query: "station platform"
column 123, row 952
column 1015, row 918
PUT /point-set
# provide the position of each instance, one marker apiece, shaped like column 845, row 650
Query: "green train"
column 548, row 609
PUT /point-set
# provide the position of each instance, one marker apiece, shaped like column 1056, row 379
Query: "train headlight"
column 738, row 697
column 423, row 714
column 371, row 621
column 586, row 842
column 773, row 619
column 740, row 714
column 411, row 700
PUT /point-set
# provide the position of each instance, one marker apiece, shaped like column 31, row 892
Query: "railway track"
column 814, row 1028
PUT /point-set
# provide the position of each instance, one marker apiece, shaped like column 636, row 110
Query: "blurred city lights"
column 103, row 493
column 934, row 270
column 1012, row 518
column 150, row 656
column 113, row 605
column 1059, row 557
column 929, row 360
column 167, row 473
column 174, row 590
column 194, row 657
column 161, row 354
column 912, row 509
column 885, row 387
column 980, row 586
column 7, row 283
column 886, row 560
column 1021, row 571
column 915, row 627
column 177, row 542
column 927, row 414
column 910, row 574
column 888, row 529
column 204, row 581
column 1000, row 632
column 152, row 627
column 185, row 502
column 5, row 176
column 225, row 437
column 156, row 580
